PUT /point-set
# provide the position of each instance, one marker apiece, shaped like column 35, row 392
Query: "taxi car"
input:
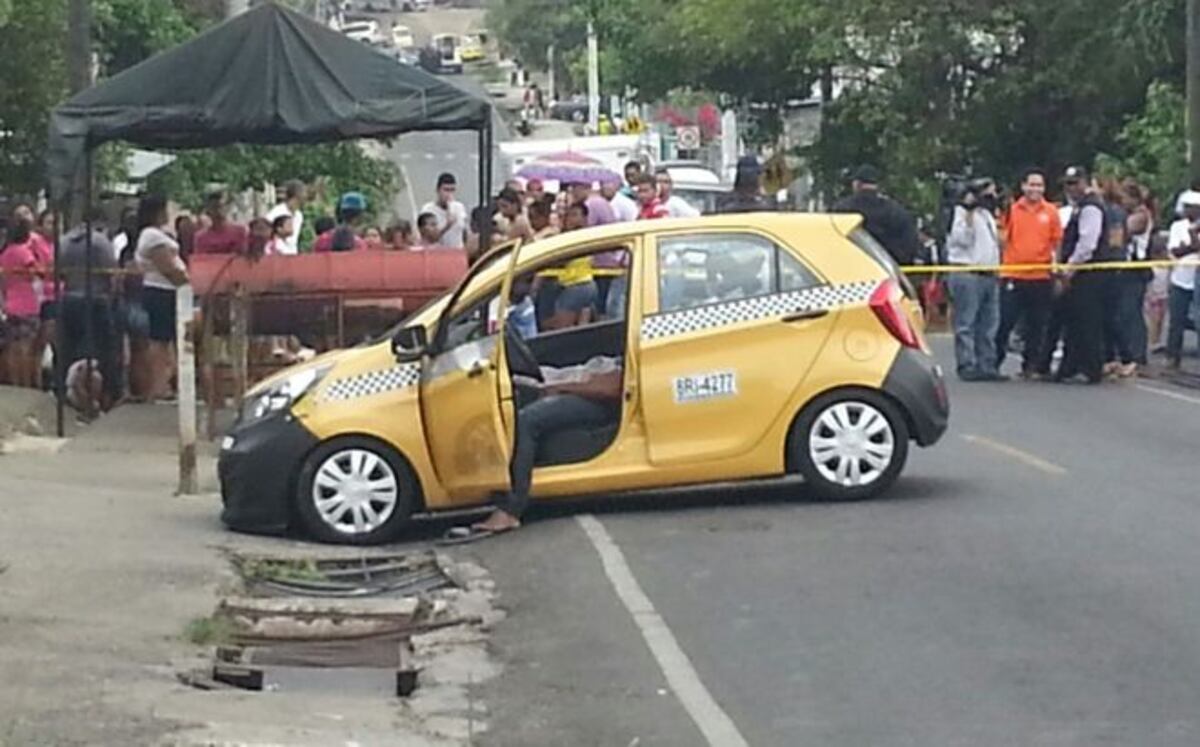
column 471, row 49
column 752, row 346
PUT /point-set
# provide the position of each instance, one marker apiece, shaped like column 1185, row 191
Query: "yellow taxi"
column 749, row 346
column 471, row 49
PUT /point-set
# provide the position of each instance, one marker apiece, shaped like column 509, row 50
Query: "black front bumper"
column 917, row 383
column 258, row 468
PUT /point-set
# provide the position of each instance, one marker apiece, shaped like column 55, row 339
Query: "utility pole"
column 79, row 45
column 1193, row 88
column 593, row 53
column 551, row 95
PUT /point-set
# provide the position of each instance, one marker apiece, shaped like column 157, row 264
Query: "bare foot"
column 498, row 521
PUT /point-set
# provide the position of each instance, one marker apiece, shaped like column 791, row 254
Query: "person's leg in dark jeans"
column 1132, row 321
column 1056, row 326
column 1012, row 310
column 965, row 297
column 1037, row 299
column 1114, row 337
column 1084, row 352
column 540, row 419
column 1179, row 301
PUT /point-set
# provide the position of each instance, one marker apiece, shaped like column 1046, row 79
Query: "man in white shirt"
column 676, row 206
column 974, row 242
column 1183, row 243
column 624, row 209
column 293, row 198
column 450, row 214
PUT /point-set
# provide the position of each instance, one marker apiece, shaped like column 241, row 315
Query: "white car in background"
column 363, row 31
column 402, row 37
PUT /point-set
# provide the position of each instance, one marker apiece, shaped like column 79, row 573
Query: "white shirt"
column 973, row 239
column 455, row 213
column 625, row 209
column 149, row 239
column 677, row 207
column 290, row 245
column 1183, row 275
column 119, row 242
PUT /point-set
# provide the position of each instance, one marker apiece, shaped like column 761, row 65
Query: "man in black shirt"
column 746, row 196
column 889, row 223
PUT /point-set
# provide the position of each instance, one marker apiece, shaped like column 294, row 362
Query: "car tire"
column 354, row 490
column 849, row 445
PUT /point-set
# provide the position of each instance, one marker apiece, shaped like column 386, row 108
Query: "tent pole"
column 485, row 237
column 57, row 204
column 88, row 325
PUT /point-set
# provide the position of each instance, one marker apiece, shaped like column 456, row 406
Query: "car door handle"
column 478, row 368
column 805, row 314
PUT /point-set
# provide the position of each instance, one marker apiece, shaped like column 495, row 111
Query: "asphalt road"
column 1034, row 579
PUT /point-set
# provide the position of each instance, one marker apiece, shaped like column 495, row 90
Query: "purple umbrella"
column 568, row 167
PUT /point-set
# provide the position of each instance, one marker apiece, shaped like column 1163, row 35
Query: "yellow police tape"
column 1056, row 267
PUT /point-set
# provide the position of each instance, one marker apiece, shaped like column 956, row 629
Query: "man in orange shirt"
column 1032, row 233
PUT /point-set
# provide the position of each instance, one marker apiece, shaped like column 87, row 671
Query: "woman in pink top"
column 19, row 265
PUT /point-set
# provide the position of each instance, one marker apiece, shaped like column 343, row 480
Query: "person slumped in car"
column 582, row 396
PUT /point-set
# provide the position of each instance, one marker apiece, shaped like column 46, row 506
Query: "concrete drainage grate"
column 328, row 623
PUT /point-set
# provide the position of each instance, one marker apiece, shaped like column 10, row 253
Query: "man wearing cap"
column 344, row 237
column 973, row 243
column 1183, row 242
column 1082, row 302
column 747, row 189
column 451, row 214
column 884, row 218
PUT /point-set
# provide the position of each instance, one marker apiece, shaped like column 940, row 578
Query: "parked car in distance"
column 574, row 109
column 402, row 37
column 470, row 49
column 363, row 31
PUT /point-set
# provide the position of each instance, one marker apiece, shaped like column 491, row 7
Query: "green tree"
column 1151, row 145
column 34, row 80
column 128, row 31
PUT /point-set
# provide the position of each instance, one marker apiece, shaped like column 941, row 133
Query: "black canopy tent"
column 270, row 76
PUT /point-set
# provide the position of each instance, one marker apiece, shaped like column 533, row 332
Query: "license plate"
column 700, row 387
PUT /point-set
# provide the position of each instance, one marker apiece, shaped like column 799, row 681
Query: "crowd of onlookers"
column 115, row 293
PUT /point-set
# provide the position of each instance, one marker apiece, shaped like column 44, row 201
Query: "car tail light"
column 885, row 302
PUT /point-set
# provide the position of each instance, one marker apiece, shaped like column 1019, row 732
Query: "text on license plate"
column 705, row 386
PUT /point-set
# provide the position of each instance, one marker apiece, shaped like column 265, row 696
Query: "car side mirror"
column 409, row 343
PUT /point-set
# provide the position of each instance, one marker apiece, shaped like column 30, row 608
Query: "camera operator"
column 973, row 242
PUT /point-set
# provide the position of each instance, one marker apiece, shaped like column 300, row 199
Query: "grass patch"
column 210, row 631
column 261, row 569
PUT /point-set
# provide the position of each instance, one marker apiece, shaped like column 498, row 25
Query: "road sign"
column 687, row 138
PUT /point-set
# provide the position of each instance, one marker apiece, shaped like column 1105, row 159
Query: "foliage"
column 341, row 167
column 33, row 75
column 923, row 88
column 128, row 31
column 210, row 631
column 1151, row 145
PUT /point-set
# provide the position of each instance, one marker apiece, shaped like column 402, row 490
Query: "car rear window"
column 866, row 242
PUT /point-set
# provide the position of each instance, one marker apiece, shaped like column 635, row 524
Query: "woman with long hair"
column 163, row 271
column 20, row 270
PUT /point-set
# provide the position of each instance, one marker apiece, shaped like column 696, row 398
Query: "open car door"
column 465, row 387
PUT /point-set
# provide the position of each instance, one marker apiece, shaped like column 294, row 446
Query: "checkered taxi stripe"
column 373, row 382
column 724, row 314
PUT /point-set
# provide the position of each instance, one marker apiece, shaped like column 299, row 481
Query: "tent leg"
column 89, row 332
column 485, row 186
column 60, row 389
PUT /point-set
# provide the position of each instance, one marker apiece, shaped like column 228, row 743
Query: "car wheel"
column 849, row 445
column 355, row 491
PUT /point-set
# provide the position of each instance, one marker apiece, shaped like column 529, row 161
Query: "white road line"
column 716, row 726
column 1021, row 456
column 1172, row 395
column 429, row 156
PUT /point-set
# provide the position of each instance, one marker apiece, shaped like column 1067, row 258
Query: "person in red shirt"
column 649, row 206
column 223, row 236
column 1032, row 232
column 19, row 272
